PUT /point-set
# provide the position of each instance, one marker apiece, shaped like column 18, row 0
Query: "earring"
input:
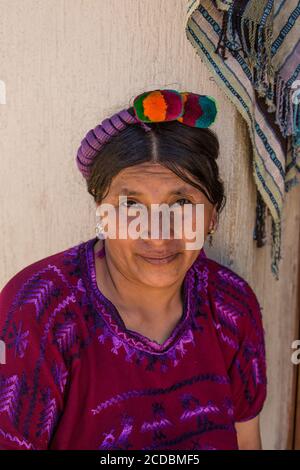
column 99, row 230
column 210, row 239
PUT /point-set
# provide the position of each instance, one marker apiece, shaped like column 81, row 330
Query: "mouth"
column 165, row 260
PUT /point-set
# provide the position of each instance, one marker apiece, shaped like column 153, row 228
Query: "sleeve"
column 248, row 371
column 33, row 374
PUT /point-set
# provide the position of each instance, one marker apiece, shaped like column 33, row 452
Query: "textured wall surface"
column 68, row 64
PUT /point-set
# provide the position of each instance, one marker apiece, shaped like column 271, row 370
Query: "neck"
column 134, row 298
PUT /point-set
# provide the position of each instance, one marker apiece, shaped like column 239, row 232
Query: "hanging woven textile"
column 253, row 50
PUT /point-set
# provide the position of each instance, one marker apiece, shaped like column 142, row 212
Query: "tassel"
column 276, row 247
column 223, row 36
column 251, row 34
column 259, row 233
column 260, row 236
column 292, row 167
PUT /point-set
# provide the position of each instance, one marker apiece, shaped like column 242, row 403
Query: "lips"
column 160, row 260
column 158, row 255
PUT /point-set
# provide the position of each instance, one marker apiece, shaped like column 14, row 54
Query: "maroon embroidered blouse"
column 76, row 378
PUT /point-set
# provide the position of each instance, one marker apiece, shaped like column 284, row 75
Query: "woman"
column 136, row 343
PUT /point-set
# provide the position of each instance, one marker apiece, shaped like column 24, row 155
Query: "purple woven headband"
column 96, row 138
column 151, row 106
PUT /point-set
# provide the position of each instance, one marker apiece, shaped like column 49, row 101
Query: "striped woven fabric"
column 253, row 50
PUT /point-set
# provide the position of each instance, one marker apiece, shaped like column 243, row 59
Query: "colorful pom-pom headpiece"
column 188, row 108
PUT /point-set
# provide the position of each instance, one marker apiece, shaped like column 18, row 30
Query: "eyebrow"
column 180, row 190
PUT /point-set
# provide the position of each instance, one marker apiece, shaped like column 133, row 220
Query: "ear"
column 97, row 206
column 214, row 218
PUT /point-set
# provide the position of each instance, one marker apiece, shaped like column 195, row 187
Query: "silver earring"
column 99, row 230
column 210, row 238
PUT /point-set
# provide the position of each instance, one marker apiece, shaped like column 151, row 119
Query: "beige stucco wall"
column 66, row 65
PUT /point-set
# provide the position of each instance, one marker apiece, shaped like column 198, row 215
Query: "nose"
column 160, row 226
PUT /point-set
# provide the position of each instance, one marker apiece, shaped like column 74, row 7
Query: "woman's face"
column 147, row 184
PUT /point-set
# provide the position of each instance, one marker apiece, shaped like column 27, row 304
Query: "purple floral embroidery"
column 19, row 339
column 108, row 441
column 225, row 338
column 202, row 275
column 9, row 395
column 174, row 354
column 127, row 424
column 65, row 335
column 227, row 313
column 20, row 442
column 116, row 399
column 232, row 278
column 112, row 442
column 60, row 374
column 159, row 423
column 48, row 415
column 194, row 408
column 228, row 316
column 40, row 295
column 258, row 376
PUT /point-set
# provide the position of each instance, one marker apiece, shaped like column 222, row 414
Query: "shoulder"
column 39, row 332
column 234, row 303
column 55, row 265
column 236, row 314
column 33, row 293
column 223, row 279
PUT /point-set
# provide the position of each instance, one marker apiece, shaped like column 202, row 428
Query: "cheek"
column 198, row 219
column 125, row 224
column 120, row 252
column 204, row 222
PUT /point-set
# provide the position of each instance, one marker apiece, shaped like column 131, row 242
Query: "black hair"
column 189, row 152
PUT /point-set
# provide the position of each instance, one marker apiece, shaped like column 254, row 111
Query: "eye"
column 126, row 203
column 178, row 203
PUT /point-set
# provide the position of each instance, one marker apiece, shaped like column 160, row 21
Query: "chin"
column 156, row 278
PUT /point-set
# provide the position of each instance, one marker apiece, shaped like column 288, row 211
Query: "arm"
column 248, row 434
column 248, row 374
column 33, row 377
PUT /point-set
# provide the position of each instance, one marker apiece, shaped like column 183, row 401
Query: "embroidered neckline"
column 113, row 319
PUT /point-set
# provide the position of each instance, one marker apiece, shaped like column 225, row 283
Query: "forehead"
column 147, row 178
